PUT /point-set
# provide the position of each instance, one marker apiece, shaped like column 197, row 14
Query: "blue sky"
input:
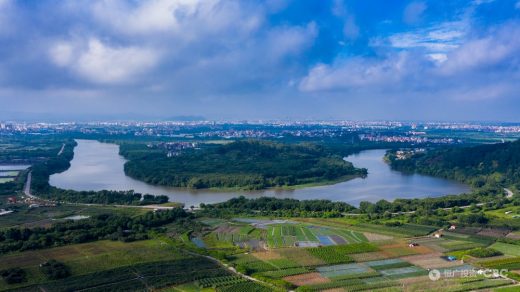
column 273, row 59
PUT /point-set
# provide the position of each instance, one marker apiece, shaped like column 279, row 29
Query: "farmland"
column 118, row 266
column 313, row 254
column 282, row 234
column 320, row 254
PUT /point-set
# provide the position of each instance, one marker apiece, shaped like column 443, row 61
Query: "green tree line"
column 241, row 164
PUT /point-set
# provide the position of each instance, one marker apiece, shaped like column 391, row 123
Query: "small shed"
column 451, row 258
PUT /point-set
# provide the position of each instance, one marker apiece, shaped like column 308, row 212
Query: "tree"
column 13, row 275
column 54, row 270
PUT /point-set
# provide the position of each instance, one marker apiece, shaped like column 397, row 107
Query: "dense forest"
column 492, row 165
column 241, row 164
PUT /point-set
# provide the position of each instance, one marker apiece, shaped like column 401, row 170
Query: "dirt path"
column 61, row 150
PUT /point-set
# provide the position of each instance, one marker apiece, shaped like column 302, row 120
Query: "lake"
column 98, row 166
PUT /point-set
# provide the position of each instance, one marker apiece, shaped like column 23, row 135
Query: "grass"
column 506, row 248
column 301, row 256
column 9, row 173
column 503, row 263
column 507, row 289
column 6, row 179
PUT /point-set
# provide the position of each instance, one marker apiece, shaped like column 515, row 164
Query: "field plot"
column 245, row 286
column 219, row 281
column 286, row 272
column 369, row 256
column 403, row 272
column 382, row 264
column 91, row 257
column 503, row 263
column 301, row 256
column 401, row 248
column 340, row 253
column 9, row 173
column 506, row 248
column 353, row 284
column 451, row 245
column 376, row 237
column 342, row 270
column 308, row 235
column 430, row 261
column 148, row 276
column 405, row 230
column 451, row 242
column 6, row 179
column 267, row 255
column 240, row 234
column 423, row 283
column 307, row 279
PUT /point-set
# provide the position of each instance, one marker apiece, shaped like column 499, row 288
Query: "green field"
column 340, row 253
column 10, row 173
column 288, row 235
column 506, row 248
column 6, row 179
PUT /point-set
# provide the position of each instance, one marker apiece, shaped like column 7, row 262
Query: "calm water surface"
column 98, row 166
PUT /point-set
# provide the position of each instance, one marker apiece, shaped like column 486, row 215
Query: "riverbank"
column 98, row 166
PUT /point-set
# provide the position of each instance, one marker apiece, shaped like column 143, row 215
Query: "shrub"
column 13, row 275
column 484, row 252
column 54, row 270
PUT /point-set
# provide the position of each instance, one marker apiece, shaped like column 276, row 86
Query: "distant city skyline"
column 251, row 60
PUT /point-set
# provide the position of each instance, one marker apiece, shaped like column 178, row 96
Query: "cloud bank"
column 261, row 59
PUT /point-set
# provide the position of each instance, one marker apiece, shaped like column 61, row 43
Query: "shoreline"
column 281, row 188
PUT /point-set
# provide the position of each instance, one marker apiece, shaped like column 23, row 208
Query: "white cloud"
column 285, row 41
column 61, row 53
column 356, row 73
column 517, row 5
column 186, row 19
column 438, row 58
column 498, row 47
column 439, row 38
column 486, row 67
column 144, row 16
column 350, row 28
column 100, row 63
column 480, row 2
column 413, row 12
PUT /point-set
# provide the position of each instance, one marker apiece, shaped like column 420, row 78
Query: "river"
column 98, row 166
